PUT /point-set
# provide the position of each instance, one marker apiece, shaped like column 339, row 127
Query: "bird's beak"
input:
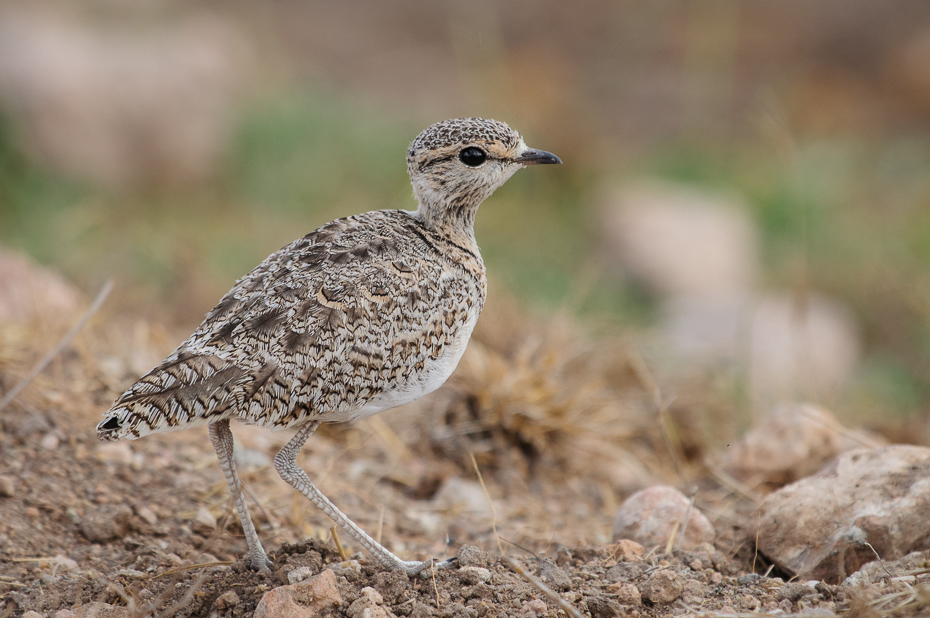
column 531, row 156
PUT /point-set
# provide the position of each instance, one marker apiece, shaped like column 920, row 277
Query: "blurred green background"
column 172, row 146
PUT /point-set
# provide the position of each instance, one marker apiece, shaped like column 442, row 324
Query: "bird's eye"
column 472, row 157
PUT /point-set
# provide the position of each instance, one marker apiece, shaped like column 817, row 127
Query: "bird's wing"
column 323, row 325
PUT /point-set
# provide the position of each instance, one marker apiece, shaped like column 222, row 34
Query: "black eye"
column 472, row 157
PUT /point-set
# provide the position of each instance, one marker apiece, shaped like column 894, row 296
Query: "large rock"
column 789, row 345
column 121, row 102
column 822, row 527
column 651, row 515
column 794, row 441
column 682, row 241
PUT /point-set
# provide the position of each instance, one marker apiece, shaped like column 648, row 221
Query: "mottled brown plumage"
column 364, row 314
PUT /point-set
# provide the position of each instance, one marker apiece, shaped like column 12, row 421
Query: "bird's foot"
column 424, row 568
column 261, row 563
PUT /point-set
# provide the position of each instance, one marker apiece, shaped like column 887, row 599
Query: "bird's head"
column 456, row 164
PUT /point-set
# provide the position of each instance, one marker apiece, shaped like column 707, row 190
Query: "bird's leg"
column 284, row 463
column 222, row 439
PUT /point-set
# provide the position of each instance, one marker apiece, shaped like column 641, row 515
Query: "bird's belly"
column 434, row 374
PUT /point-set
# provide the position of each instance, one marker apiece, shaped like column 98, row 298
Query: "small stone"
column 662, row 587
column 350, row 569
column 62, row 563
column 50, row 442
column 623, row 550
column 131, row 573
column 299, row 574
column 227, row 600
column 747, row 601
column 625, row 571
column 557, row 578
column 147, row 515
column 469, row 555
column 101, row 610
column 307, row 598
column 474, row 575
column 602, row 607
column 106, row 523
column 115, row 452
column 693, row 592
column 716, row 579
column 204, row 522
column 458, row 494
column 534, row 608
column 627, row 594
column 32, row 614
column 368, row 605
column 652, row 515
column 794, row 592
column 65, row 613
column 7, row 488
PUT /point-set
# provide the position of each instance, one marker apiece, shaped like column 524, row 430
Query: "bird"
column 362, row 315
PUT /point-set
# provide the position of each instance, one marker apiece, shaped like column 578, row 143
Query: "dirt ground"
column 560, row 431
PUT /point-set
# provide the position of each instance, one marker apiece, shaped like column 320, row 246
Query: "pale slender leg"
column 222, row 440
column 284, row 463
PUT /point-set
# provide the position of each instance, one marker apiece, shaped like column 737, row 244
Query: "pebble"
column 308, row 598
column 469, row 555
column 867, row 501
column 7, row 487
column 534, row 608
column 623, row 550
column 557, row 578
column 368, row 605
column 62, row 563
column 299, row 574
column 106, row 523
column 627, row 594
column 227, row 600
column 602, row 607
column 693, row 592
column 50, row 442
column 204, row 522
column 116, row 452
column 350, row 569
column 662, row 587
column 471, row 575
column 101, row 610
column 651, row 515
column 147, row 515
column 459, row 494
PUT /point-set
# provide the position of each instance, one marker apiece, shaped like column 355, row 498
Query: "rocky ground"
column 566, row 437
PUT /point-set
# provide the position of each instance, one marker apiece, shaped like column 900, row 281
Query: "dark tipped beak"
column 536, row 157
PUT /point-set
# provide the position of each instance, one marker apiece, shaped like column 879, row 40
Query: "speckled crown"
column 464, row 131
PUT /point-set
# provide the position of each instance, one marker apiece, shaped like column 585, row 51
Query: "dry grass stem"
column 190, row 567
column 61, row 345
column 550, row 594
column 338, row 543
column 497, row 537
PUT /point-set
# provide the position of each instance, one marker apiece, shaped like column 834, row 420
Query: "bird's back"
column 363, row 314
